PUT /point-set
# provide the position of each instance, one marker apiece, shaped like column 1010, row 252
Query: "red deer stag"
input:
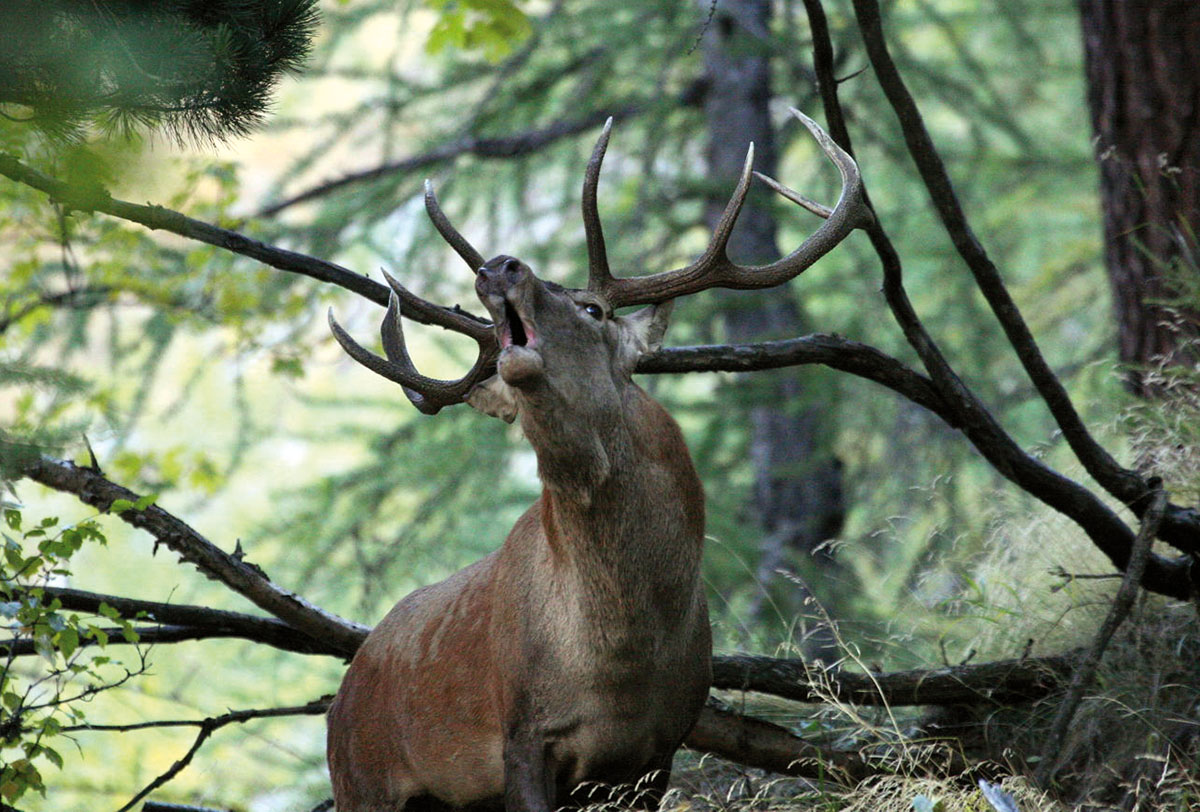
column 580, row 650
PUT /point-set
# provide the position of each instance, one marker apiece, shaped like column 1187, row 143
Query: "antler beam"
column 714, row 268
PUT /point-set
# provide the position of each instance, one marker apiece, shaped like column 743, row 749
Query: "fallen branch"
column 999, row 682
column 762, row 744
column 767, row 746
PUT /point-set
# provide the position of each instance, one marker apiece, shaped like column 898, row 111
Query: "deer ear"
column 648, row 326
column 493, row 397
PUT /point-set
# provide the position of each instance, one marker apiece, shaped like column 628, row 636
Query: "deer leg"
column 528, row 779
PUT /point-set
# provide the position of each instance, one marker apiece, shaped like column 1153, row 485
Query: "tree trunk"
column 1143, row 72
column 798, row 483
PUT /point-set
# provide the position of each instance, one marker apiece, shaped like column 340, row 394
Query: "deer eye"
column 594, row 310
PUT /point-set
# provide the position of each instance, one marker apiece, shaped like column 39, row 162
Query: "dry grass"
column 1134, row 743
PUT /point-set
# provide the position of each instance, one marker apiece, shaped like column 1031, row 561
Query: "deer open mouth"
column 514, row 333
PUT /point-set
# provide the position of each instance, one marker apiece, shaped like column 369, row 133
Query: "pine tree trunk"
column 798, row 483
column 1143, row 72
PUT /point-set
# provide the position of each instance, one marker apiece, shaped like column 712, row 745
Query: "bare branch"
column 314, row 708
column 831, row 350
column 210, row 726
column 1181, row 527
column 507, row 147
column 1102, row 525
column 1122, row 603
column 92, row 488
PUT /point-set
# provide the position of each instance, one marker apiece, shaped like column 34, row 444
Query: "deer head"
column 542, row 334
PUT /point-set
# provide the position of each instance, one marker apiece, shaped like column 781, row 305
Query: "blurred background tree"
column 211, row 380
column 1143, row 91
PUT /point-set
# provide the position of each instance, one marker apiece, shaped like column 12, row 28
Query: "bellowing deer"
column 580, row 650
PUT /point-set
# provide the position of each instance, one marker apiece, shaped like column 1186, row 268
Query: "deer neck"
column 622, row 507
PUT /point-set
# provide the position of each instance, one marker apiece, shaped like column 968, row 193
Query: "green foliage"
column 491, row 27
column 203, row 71
column 38, row 702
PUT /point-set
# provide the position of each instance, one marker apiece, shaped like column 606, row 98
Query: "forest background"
column 845, row 521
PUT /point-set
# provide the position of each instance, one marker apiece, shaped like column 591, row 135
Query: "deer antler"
column 714, row 269
column 429, row 395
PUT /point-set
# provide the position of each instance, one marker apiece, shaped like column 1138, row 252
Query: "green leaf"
column 120, row 506
column 68, row 641
column 145, row 501
column 101, row 638
column 12, row 518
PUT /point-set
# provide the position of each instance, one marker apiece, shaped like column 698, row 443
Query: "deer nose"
column 499, row 274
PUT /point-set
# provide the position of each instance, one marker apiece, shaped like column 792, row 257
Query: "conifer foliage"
column 202, row 70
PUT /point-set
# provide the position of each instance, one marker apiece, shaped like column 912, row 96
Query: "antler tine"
column 813, row 206
column 449, row 233
column 599, row 275
column 456, row 319
column 429, row 395
column 714, row 268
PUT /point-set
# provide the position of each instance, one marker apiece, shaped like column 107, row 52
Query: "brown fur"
column 577, row 652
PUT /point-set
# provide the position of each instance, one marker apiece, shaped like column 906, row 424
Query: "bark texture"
column 1143, row 72
column 799, row 498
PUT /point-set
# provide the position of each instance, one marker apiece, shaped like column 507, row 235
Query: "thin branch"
column 212, row 725
column 314, row 708
column 92, row 488
column 511, row 146
column 78, row 298
column 1182, row 527
column 1122, row 604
